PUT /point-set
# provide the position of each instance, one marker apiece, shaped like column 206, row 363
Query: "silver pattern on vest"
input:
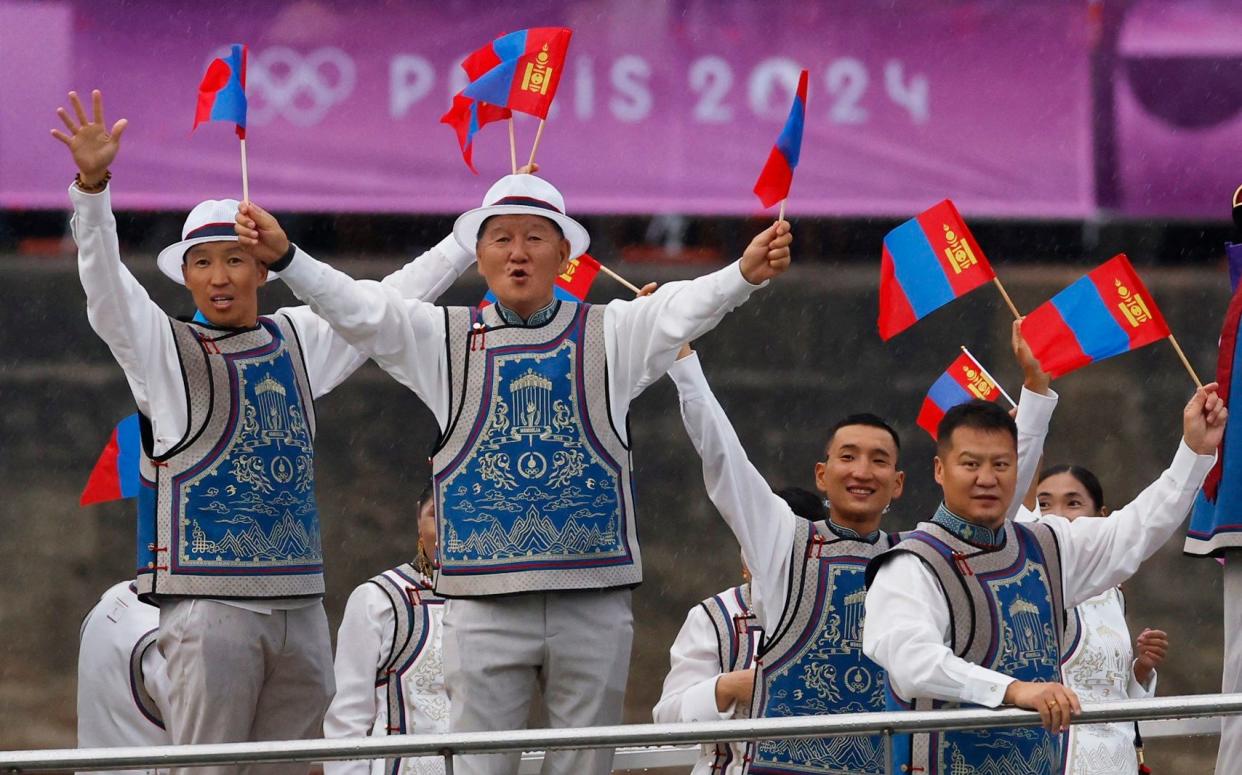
column 813, row 663
column 738, row 636
column 533, row 483
column 232, row 511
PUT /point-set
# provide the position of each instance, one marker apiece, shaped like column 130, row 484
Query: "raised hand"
column 1034, row 378
column 767, row 255
column 94, row 146
column 1150, row 648
column 260, row 234
column 528, row 169
column 1203, row 420
column 1056, row 703
column 646, row 290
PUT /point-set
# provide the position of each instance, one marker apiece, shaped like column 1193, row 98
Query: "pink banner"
column 663, row 107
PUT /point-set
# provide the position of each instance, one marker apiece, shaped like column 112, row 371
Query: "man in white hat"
column 538, row 546
column 228, row 538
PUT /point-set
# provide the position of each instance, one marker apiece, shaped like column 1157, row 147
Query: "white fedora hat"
column 521, row 195
column 210, row 221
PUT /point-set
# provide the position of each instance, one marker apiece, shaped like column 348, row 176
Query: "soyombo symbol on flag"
column 963, row 381
column 1106, row 313
column 222, row 92
column 530, row 66
column 777, row 174
column 928, row 261
column 573, row 285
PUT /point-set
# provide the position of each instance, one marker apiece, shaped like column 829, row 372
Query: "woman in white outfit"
column 1101, row 664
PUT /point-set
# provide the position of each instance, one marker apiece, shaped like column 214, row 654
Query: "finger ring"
column 1052, row 703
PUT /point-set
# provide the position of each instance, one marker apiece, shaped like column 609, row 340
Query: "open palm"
column 92, row 143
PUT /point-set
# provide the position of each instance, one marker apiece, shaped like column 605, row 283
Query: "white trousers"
column 573, row 646
column 1229, row 757
column 239, row 676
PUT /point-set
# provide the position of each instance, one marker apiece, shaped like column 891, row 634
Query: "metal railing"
column 886, row 724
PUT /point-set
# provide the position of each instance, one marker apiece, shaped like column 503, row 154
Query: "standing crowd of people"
column 518, row 599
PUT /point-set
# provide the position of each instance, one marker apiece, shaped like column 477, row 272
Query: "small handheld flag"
column 527, row 73
column 115, row 475
column 573, row 285
column 777, row 174
column 467, row 117
column 222, row 97
column 927, row 262
column 964, row 380
column 1105, row 313
column 222, row 92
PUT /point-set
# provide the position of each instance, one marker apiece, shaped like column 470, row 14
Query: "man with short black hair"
column 969, row 609
column 808, row 587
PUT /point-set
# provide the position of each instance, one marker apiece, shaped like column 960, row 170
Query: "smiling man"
column 228, row 526
column 970, row 608
column 537, row 542
column 808, row 576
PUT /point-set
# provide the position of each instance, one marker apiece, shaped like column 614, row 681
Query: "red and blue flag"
column 777, row 174
column 526, row 70
column 468, row 116
column 1108, row 312
column 927, row 262
column 115, row 475
column 963, row 381
column 222, row 92
column 573, row 285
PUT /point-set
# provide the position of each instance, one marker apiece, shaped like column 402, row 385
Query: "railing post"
column 888, row 752
column 448, row 763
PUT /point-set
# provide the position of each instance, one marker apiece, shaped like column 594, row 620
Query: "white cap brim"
column 171, row 259
column 466, row 227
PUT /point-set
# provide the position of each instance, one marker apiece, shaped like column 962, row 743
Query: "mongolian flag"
column 222, row 93
column 467, row 117
column 777, row 175
column 115, row 475
column 1106, row 313
column 963, row 381
column 571, row 286
column 928, row 261
column 528, row 68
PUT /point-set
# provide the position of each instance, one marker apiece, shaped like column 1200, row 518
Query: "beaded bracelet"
column 95, row 189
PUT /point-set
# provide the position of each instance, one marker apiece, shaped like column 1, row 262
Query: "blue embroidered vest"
column 737, row 639
column 410, row 595
column 813, row 663
column 229, row 511
column 532, row 481
column 1004, row 595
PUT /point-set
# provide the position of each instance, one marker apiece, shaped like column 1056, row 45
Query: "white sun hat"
column 521, row 195
column 210, row 221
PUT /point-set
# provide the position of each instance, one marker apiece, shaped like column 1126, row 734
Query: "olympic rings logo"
column 301, row 89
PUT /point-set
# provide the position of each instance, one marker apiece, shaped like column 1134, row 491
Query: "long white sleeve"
column 1034, row 415
column 642, row 336
column 362, row 645
column 762, row 522
column 694, row 665
column 137, row 332
column 906, row 630
column 1097, row 554
column 406, row 337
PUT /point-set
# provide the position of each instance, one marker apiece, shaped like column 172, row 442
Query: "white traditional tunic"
column 364, row 645
column 122, row 686
column 1101, row 669
column 690, row 687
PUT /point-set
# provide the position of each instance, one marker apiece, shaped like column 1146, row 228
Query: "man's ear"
column 899, row 484
column 565, row 250
column 263, row 272
column 938, row 465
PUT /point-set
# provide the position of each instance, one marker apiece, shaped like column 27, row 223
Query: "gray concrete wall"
column 801, row 354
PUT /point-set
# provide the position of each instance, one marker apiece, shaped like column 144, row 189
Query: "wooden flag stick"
column 620, row 279
column 512, row 147
column 1185, row 362
column 1005, row 295
column 781, row 215
column 245, row 173
column 991, row 379
column 538, row 137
